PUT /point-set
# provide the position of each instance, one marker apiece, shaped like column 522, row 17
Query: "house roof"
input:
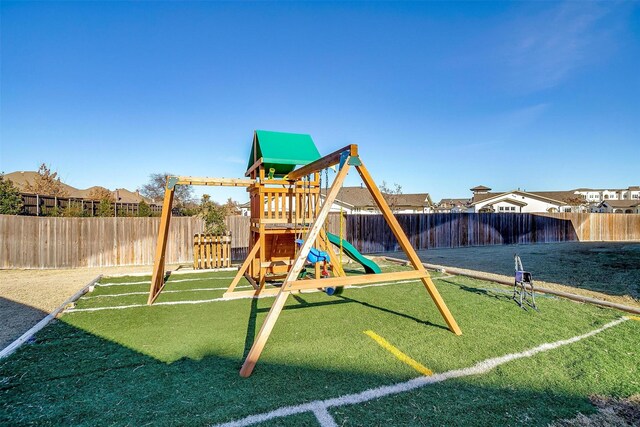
column 480, row 188
column 621, row 203
column 359, row 197
column 282, row 151
column 21, row 178
column 563, row 196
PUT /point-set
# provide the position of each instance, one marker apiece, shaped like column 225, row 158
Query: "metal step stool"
column 523, row 290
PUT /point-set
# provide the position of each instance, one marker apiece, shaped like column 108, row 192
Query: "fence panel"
column 53, row 242
column 371, row 234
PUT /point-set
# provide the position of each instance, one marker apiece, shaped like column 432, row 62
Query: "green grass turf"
column 176, row 365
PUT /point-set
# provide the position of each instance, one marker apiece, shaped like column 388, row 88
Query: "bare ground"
column 27, row 296
column 612, row 412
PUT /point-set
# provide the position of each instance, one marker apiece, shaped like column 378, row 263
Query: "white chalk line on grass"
column 164, row 292
column 320, row 407
column 168, row 283
column 205, row 301
column 324, row 417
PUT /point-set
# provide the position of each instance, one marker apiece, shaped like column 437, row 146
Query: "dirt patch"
column 612, row 412
column 27, row 296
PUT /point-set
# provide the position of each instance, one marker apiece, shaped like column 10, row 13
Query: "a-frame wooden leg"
column 408, row 249
column 263, row 335
column 157, row 278
column 276, row 308
column 243, row 269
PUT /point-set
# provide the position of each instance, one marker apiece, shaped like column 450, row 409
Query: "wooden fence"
column 370, row 233
column 36, row 204
column 211, row 251
column 51, row 242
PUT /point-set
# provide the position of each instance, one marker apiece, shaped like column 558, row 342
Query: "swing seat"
column 315, row 255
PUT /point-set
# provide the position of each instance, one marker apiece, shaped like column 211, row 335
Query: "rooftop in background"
column 359, row 197
column 21, row 178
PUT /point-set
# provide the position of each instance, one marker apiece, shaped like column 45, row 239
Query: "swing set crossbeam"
column 323, row 163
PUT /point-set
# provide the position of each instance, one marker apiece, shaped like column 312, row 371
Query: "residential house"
column 620, row 206
column 452, row 206
column 358, row 200
column 595, row 196
column 518, row 201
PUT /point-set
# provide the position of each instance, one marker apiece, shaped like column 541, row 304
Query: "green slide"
column 369, row 266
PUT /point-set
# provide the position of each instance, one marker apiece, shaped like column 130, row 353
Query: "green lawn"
column 178, row 364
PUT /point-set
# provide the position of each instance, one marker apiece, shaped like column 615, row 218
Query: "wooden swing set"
column 286, row 205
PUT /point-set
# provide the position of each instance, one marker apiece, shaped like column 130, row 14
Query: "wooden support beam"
column 243, row 267
column 157, row 277
column 254, row 166
column 322, row 163
column 276, row 308
column 356, row 280
column 276, row 263
column 219, row 182
column 250, row 280
column 252, row 293
column 408, row 249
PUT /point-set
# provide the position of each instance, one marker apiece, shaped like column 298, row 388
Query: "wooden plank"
column 219, row 182
column 281, row 298
column 157, row 278
column 408, row 249
column 322, row 163
column 243, row 267
column 357, row 280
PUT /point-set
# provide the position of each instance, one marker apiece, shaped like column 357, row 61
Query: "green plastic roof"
column 283, row 151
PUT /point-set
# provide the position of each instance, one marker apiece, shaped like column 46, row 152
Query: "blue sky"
column 440, row 96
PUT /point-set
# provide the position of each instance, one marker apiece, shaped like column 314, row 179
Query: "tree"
column 46, row 183
column 578, row 203
column 10, row 199
column 391, row 195
column 144, row 210
column 214, row 215
column 101, row 193
column 231, row 207
column 105, row 208
column 73, row 209
column 154, row 189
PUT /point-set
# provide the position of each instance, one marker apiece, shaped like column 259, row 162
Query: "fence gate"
column 211, row 251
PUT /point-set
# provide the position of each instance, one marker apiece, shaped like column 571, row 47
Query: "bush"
column 144, row 210
column 10, row 199
column 74, row 209
column 213, row 214
column 105, row 208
